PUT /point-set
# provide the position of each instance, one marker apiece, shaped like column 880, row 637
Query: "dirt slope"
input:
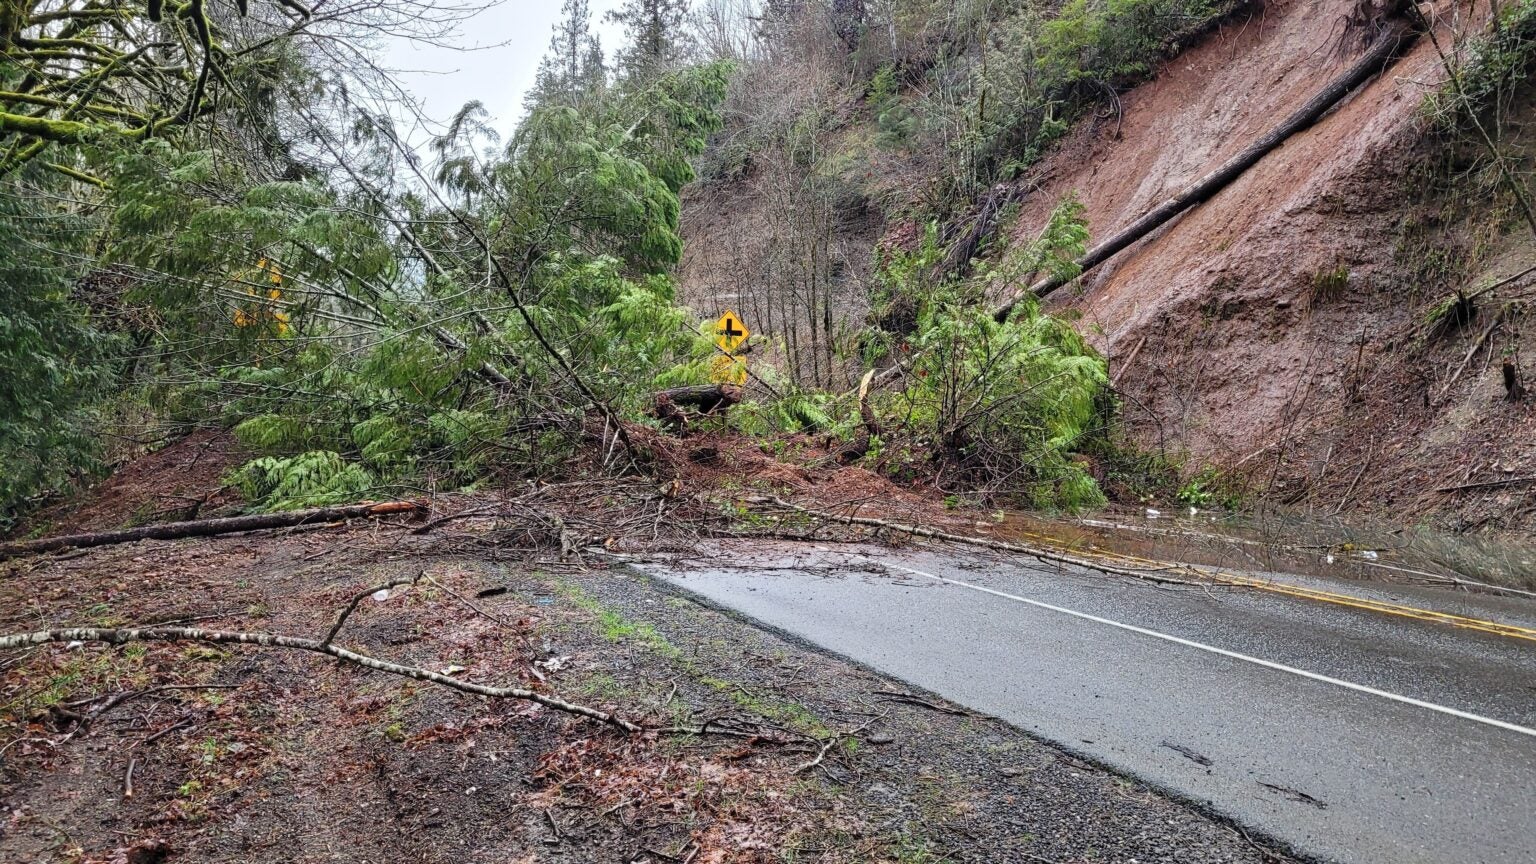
column 1272, row 321
column 1222, row 296
column 1276, row 331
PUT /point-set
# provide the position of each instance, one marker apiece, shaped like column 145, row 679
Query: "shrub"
column 998, row 407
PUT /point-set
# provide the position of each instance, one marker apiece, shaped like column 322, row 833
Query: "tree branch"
column 296, row 643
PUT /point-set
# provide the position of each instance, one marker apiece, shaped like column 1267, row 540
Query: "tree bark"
column 706, row 399
column 206, row 527
column 1393, row 42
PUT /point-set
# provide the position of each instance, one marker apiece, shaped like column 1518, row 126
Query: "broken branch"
column 208, row 527
column 121, row 636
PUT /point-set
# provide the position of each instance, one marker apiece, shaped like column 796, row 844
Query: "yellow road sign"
column 730, row 332
column 728, row 370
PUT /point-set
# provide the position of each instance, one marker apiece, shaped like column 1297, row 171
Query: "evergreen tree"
column 657, row 36
column 55, row 363
column 574, row 67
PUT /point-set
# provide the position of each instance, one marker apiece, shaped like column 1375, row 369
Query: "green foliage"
column 1493, row 67
column 1113, row 40
column 1062, row 241
column 273, row 433
column 1210, row 488
column 404, row 359
column 999, row 407
column 318, row 478
column 55, row 362
column 895, row 120
column 1329, row 284
column 798, row 411
column 358, row 319
column 656, row 35
column 473, row 441
column 384, row 442
column 999, row 107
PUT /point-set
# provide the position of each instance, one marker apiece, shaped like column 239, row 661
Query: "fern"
column 384, row 442
column 319, row 478
column 272, row 433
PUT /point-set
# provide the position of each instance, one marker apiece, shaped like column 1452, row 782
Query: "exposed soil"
column 1276, row 330
column 300, row 759
column 183, row 480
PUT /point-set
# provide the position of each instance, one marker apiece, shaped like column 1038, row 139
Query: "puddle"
column 1280, row 541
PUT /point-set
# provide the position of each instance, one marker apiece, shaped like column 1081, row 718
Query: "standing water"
column 1274, row 540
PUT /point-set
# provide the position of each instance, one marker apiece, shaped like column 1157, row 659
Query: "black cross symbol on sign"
column 730, row 331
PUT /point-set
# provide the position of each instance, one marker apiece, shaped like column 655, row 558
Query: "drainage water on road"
column 1278, row 541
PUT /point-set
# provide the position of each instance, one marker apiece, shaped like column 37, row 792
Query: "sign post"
column 728, row 366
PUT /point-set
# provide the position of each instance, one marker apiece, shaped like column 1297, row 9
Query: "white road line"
column 1189, row 643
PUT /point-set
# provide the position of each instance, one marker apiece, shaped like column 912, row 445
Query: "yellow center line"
column 1379, row 606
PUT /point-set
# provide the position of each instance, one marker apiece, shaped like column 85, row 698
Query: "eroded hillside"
column 1291, row 332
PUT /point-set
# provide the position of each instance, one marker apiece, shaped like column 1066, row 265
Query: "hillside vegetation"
column 234, row 233
column 1280, row 341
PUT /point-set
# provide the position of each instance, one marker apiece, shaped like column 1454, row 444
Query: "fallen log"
column 1394, row 40
column 207, row 527
column 706, row 399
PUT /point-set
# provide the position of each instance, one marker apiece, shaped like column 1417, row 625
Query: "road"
column 1349, row 734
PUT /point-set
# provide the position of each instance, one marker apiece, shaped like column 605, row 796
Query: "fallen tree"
column 208, row 527
column 1395, row 38
column 707, row 399
column 1035, row 552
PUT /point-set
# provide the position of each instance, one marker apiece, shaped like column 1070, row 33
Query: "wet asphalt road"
column 1346, row 734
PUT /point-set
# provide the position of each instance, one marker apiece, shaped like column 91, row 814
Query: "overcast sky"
column 503, row 46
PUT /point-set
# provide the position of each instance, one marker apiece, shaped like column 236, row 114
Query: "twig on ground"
column 908, row 698
column 1489, row 484
column 128, row 778
column 1471, row 352
column 351, row 606
column 297, row 643
column 183, row 723
column 554, row 826
column 452, row 517
column 1269, row 854
column 835, row 739
column 212, row 616
column 126, row 696
column 1369, row 457
column 617, row 807
column 464, row 600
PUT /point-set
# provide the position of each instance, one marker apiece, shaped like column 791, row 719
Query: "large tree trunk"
column 705, row 399
column 207, row 527
column 1397, row 37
